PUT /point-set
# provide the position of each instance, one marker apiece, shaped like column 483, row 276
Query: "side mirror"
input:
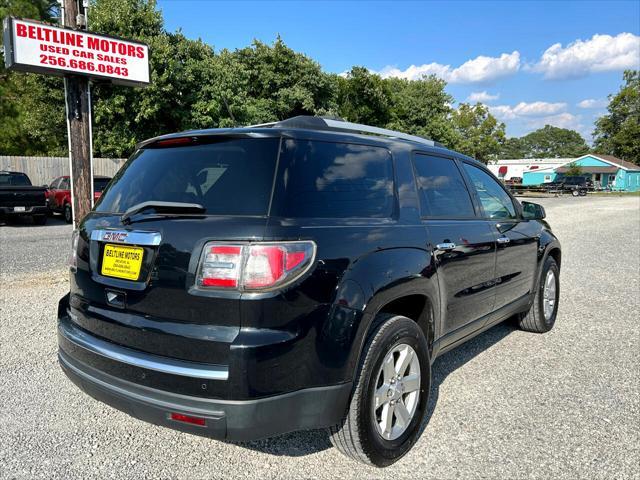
column 533, row 211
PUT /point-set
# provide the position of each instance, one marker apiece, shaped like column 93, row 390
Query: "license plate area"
column 19, row 209
column 122, row 261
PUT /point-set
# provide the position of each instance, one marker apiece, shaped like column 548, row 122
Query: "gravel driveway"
column 508, row 404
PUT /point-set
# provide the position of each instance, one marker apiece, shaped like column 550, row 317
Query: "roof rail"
column 337, row 124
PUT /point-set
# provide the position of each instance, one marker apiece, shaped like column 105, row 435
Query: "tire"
column 39, row 219
column 535, row 320
column 583, row 193
column 575, row 193
column 67, row 213
column 359, row 436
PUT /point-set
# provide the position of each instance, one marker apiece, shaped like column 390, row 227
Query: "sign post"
column 78, row 110
column 79, row 56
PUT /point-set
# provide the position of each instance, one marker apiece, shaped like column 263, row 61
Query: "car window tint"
column 229, row 176
column 334, row 180
column 64, row 184
column 54, row 184
column 15, row 179
column 441, row 188
column 496, row 203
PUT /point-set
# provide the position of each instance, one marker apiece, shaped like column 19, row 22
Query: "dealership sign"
column 41, row 48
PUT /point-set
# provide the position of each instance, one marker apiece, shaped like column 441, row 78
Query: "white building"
column 515, row 168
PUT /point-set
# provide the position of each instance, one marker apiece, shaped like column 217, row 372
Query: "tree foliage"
column 573, row 170
column 194, row 86
column 478, row 133
column 618, row 132
column 546, row 142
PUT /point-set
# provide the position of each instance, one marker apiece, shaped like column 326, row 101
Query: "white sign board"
column 37, row 47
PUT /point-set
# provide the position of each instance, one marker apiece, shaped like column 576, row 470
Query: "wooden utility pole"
column 78, row 110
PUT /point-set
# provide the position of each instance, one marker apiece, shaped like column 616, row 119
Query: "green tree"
column 421, row 107
column 618, row 132
column 28, row 125
column 553, row 142
column 511, row 148
column 364, row 97
column 478, row 133
column 573, row 170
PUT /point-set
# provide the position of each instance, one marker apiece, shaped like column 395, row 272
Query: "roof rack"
column 337, row 124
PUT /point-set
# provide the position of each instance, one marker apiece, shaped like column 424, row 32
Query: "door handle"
column 503, row 240
column 446, row 246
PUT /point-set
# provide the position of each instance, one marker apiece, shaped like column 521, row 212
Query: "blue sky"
column 505, row 50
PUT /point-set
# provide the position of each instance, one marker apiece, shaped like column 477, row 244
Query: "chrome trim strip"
column 139, row 359
column 127, row 237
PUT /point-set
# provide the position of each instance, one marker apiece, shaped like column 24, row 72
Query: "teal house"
column 605, row 171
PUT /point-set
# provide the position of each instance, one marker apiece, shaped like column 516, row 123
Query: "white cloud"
column 524, row 109
column 482, row 97
column 593, row 103
column 561, row 120
column 478, row 70
column 601, row 53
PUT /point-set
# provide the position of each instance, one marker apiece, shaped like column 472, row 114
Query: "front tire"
column 541, row 317
column 390, row 395
column 575, row 193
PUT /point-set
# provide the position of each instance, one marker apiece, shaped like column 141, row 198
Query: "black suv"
column 243, row 283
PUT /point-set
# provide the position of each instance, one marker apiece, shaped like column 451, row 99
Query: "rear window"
column 227, row 177
column 99, row 184
column 14, row 179
column 333, row 180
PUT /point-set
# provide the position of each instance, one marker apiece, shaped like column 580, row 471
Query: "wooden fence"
column 42, row 170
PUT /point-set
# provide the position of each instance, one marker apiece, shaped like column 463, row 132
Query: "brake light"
column 73, row 255
column 254, row 267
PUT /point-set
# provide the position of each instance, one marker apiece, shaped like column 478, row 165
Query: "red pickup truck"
column 59, row 194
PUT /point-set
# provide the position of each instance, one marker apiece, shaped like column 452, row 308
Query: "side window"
column 496, row 203
column 54, row 184
column 64, row 184
column 333, row 180
column 441, row 188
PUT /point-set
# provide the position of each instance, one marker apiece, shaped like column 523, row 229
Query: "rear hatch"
column 139, row 251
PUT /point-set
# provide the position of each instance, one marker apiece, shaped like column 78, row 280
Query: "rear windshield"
column 15, row 179
column 333, row 180
column 227, row 177
column 99, row 184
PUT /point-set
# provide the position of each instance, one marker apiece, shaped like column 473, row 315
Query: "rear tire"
column 541, row 317
column 67, row 213
column 575, row 193
column 385, row 415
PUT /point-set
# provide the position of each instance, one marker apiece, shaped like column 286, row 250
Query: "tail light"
column 73, row 255
column 254, row 267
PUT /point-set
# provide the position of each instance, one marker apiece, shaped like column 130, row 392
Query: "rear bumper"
column 38, row 210
column 238, row 420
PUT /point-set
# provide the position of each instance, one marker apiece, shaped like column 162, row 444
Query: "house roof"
column 618, row 161
column 612, row 169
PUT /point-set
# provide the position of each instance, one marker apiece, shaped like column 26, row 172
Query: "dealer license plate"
column 122, row 261
column 19, row 209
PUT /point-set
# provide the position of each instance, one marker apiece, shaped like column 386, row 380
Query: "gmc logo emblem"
column 115, row 236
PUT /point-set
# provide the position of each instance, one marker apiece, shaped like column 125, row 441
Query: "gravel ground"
column 508, row 404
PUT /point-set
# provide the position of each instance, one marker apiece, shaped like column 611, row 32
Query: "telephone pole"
column 78, row 110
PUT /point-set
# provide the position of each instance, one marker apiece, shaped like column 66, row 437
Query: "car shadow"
column 22, row 222
column 307, row 442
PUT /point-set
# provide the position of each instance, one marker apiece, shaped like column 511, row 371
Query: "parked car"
column 243, row 283
column 59, row 194
column 18, row 198
column 576, row 186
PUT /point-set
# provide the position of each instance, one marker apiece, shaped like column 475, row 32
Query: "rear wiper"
column 162, row 207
